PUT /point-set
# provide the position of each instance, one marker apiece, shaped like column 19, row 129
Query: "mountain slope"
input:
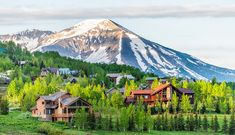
column 104, row 41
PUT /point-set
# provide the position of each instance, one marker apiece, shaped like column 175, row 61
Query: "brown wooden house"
column 59, row 106
column 163, row 93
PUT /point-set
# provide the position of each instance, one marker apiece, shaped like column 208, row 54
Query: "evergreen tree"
column 117, row 124
column 110, row 127
column 212, row 123
column 158, row 122
column 98, row 122
column 185, row 104
column 175, row 102
column 232, row 125
column 149, row 120
column 187, row 123
column 4, row 106
column 199, row 122
column 81, row 119
column 216, row 124
column 124, row 119
column 225, row 125
column 192, row 123
column 91, row 120
column 171, row 123
column 196, row 122
column 205, row 123
column 181, row 122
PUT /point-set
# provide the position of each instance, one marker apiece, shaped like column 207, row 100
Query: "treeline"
column 134, row 118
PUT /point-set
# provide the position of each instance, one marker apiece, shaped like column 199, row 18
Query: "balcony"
column 63, row 115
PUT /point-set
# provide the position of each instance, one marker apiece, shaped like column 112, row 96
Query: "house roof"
column 186, row 91
column 151, row 78
column 136, row 92
column 161, row 87
column 69, row 101
column 113, row 75
column 54, row 96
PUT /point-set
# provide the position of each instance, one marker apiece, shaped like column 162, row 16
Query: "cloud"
column 184, row 11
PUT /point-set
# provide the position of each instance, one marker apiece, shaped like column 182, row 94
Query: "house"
column 64, row 71
column 116, row 77
column 59, row 106
column 163, row 93
column 113, row 90
column 51, row 70
column 149, row 80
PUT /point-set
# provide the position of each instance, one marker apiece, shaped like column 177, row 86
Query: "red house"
column 163, row 93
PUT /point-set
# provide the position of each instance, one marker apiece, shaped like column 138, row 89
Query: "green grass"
column 20, row 123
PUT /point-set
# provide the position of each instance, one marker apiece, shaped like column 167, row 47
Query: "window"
column 145, row 96
column 164, row 94
column 64, row 110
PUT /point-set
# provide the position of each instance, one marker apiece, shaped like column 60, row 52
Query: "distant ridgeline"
column 36, row 61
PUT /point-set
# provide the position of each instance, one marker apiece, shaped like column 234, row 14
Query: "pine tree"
column 216, row 124
column 196, row 122
column 171, row 124
column 149, row 121
column 212, row 123
column 110, row 123
column 191, row 123
column 175, row 102
column 158, row 122
column 225, row 125
column 187, row 123
column 117, row 124
column 124, row 119
column 181, row 122
column 205, row 123
column 4, row 106
column 199, row 122
column 91, row 120
column 98, row 122
column 232, row 125
column 185, row 104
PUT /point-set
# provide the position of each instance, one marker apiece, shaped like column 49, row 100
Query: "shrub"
column 46, row 128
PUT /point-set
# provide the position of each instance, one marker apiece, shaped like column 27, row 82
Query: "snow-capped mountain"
column 105, row 41
column 27, row 39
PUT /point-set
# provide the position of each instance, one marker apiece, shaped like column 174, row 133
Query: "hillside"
column 104, row 41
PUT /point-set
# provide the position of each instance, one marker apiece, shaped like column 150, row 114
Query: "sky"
column 202, row 28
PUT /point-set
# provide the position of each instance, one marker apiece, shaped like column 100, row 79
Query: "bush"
column 46, row 128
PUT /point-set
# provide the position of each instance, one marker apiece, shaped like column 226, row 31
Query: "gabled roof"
column 186, row 91
column 141, row 92
column 54, row 96
column 151, row 78
column 69, row 101
column 161, row 87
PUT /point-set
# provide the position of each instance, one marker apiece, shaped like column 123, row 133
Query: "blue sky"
column 202, row 28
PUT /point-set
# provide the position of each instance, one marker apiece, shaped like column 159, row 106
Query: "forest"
column 212, row 98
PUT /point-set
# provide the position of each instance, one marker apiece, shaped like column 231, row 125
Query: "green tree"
column 4, row 106
column 232, row 125
column 185, row 104
column 124, row 119
column 117, row 100
column 205, row 123
column 174, row 101
column 225, row 125
column 155, row 84
column 216, row 124
column 149, row 120
column 81, row 119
